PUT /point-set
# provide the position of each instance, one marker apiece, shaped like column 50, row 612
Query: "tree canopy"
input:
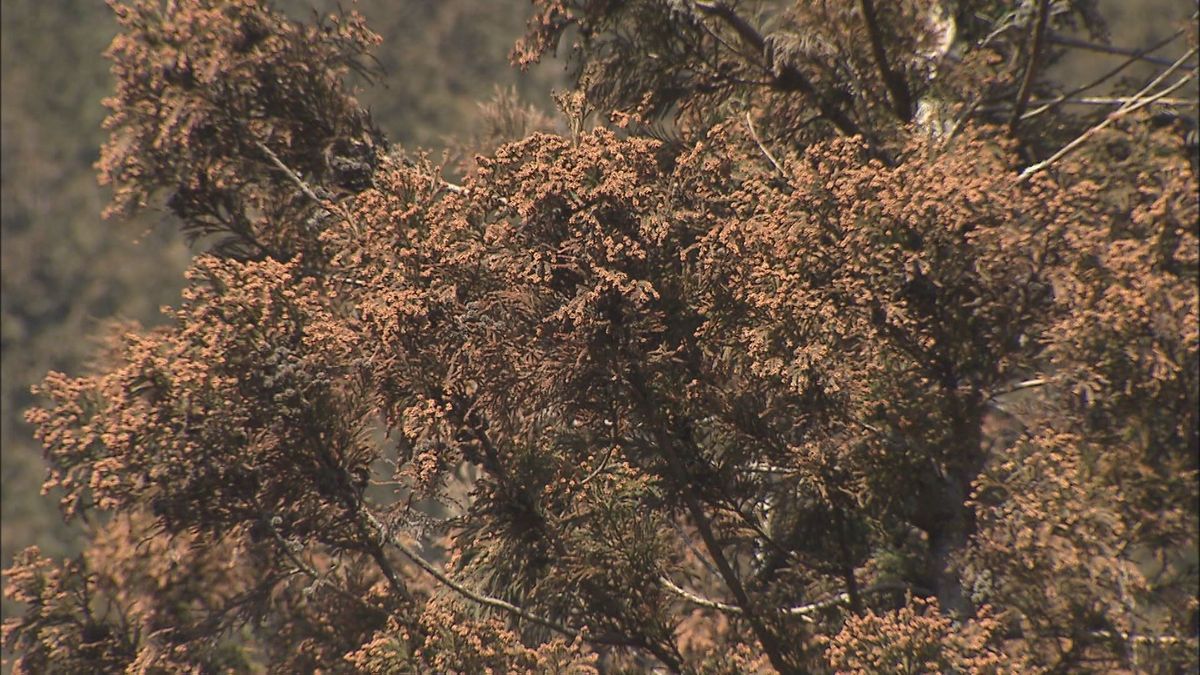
column 826, row 337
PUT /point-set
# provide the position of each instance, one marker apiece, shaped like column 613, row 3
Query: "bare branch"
column 1133, row 58
column 770, row 158
column 304, row 188
column 680, row 476
column 1162, row 640
column 745, row 31
column 1027, row 384
column 844, row 598
column 802, row 611
column 1065, row 41
column 485, row 600
column 787, row 77
column 1142, row 98
column 600, row 468
column 317, row 578
column 1107, row 101
column 698, row 600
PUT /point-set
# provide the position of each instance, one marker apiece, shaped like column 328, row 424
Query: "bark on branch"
column 896, row 86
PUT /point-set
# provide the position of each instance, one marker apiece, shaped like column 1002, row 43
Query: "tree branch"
column 1140, row 55
column 1142, row 101
column 895, row 83
column 485, row 600
column 767, row 153
column 681, row 478
column 1041, row 17
column 304, row 188
column 311, row 573
column 787, row 77
column 745, row 31
column 1043, row 106
column 1026, row 384
column 803, row 612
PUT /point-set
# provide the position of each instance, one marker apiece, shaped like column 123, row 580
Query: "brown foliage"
column 202, row 87
column 853, row 402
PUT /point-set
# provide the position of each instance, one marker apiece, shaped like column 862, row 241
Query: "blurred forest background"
column 66, row 273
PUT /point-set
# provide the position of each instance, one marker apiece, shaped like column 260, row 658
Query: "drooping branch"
column 1024, row 384
column 1069, row 96
column 745, row 31
column 508, row 607
column 316, row 577
column 386, row 535
column 765, row 151
column 295, row 178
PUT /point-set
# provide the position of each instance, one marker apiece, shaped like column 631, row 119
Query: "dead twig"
column 1143, row 98
column 1065, row 41
column 803, row 612
column 1043, row 106
column 766, row 152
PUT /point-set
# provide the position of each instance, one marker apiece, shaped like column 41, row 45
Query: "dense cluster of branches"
column 832, row 337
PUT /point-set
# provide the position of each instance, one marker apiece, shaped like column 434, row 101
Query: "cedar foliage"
column 804, row 351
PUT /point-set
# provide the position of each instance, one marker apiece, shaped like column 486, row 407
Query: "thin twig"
column 744, row 30
column 754, row 57
column 785, row 77
column 1108, row 100
column 801, row 611
column 488, row 601
column 1148, row 639
column 844, row 598
column 1142, row 101
column 760, row 467
column 698, row 600
column 485, row 600
column 308, row 192
column 317, row 578
column 1133, row 58
column 599, row 469
column 770, row 158
column 1065, row 41
column 683, row 481
column 1027, row 384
